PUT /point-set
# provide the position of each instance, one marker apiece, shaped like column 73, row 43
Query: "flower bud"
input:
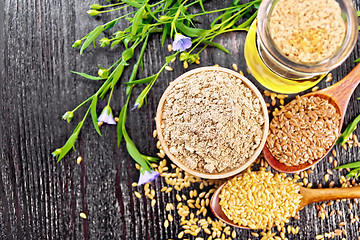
column 68, row 116
column 96, row 6
column 164, row 18
column 193, row 58
column 104, row 42
column 103, row 72
column 56, row 153
column 76, row 44
column 184, row 56
column 92, row 12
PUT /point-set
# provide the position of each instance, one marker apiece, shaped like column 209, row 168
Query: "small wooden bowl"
column 234, row 171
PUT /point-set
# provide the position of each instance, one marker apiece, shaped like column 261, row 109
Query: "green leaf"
column 136, row 21
column 189, row 31
column 165, row 33
column 349, row 129
column 358, row 13
column 94, row 115
column 116, row 42
column 248, row 22
column 357, row 60
column 168, row 3
column 127, row 54
column 120, row 124
column 169, row 58
column 350, row 165
column 111, row 24
column 117, row 74
column 88, row 76
column 222, row 48
column 136, row 155
column 143, row 80
column 91, row 37
column 68, row 145
column 353, row 172
column 150, row 12
column 149, row 158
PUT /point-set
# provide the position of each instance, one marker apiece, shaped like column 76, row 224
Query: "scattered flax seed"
column 241, row 72
column 137, row 166
column 168, row 68
column 116, row 119
column 235, row 67
column 212, row 112
column 83, row 215
column 186, row 64
column 255, row 234
column 332, row 213
column 166, row 223
column 78, row 160
column 326, row 177
column 100, row 123
column 328, row 79
column 319, row 237
column 273, row 102
column 334, row 152
column 173, row 59
column 341, row 224
column 169, row 46
column 154, row 133
column 134, row 184
column 137, row 194
column 197, row 61
column 314, row 89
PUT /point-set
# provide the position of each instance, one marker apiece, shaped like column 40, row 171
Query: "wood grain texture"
column 42, row 199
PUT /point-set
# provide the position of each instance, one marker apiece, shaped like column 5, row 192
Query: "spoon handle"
column 327, row 194
column 342, row 90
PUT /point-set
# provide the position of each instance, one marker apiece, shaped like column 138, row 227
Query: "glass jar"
column 279, row 73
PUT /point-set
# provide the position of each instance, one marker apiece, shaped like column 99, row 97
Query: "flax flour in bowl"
column 212, row 122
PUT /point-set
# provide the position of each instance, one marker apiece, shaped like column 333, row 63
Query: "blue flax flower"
column 181, row 43
column 106, row 116
column 146, row 176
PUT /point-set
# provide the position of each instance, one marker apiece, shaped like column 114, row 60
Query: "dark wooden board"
column 42, row 199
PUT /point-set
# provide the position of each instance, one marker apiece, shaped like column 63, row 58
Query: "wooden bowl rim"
column 221, row 175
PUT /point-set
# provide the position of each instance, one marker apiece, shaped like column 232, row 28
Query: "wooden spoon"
column 338, row 95
column 308, row 196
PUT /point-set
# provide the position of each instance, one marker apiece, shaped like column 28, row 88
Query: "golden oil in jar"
column 302, row 64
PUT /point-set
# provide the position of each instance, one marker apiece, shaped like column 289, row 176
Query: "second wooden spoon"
column 308, row 196
column 338, row 95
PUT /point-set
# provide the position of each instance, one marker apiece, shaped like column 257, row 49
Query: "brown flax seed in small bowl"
column 212, row 122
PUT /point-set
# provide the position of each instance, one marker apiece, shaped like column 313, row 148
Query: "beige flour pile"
column 307, row 30
column 212, row 122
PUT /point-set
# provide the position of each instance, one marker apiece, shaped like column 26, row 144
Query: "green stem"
column 112, row 10
column 111, row 93
column 81, row 104
column 112, row 5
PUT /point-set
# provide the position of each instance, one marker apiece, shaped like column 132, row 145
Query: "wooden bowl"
column 233, row 171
